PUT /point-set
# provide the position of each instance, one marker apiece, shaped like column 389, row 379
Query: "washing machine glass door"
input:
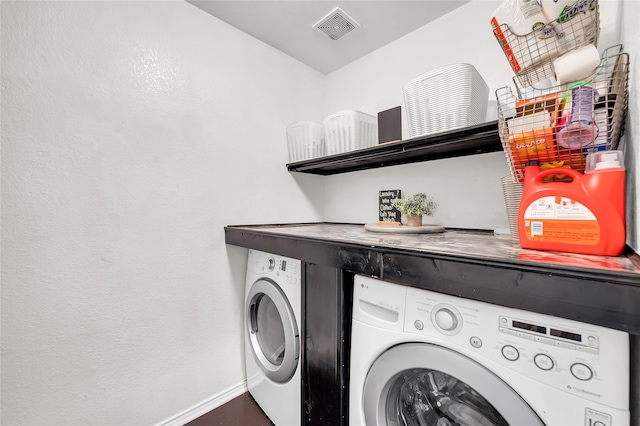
column 418, row 384
column 272, row 330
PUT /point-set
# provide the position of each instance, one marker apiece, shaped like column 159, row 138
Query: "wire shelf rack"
column 531, row 55
column 558, row 126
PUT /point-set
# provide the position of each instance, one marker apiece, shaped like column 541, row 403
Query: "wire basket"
column 560, row 125
column 531, row 55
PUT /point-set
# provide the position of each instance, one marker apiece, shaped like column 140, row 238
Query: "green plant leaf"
column 418, row 204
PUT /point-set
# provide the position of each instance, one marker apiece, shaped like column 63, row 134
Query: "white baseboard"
column 205, row 406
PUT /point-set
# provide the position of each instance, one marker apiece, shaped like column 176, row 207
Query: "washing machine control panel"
column 282, row 269
column 583, row 359
column 550, row 334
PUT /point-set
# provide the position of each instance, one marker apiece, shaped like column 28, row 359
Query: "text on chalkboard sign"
column 387, row 212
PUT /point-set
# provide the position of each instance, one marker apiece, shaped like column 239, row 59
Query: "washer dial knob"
column 581, row 371
column 543, row 362
column 510, row 353
column 446, row 319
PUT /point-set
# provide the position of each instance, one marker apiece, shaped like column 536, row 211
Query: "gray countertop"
column 471, row 264
column 467, row 244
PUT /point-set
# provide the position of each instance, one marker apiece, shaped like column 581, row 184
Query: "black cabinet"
column 327, row 298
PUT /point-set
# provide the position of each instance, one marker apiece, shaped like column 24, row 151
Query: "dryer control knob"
column 446, row 319
column 270, row 264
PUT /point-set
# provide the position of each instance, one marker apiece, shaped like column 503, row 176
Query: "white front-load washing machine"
column 423, row 358
column 273, row 300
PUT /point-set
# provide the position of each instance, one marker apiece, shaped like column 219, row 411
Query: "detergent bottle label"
column 556, row 219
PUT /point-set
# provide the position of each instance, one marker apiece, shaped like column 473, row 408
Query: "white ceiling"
column 288, row 25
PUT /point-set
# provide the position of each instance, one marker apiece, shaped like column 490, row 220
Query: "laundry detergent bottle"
column 585, row 215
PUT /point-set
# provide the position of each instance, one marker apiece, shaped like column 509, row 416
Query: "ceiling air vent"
column 336, row 24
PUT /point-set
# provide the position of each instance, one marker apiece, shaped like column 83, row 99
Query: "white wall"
column 132, row 133
column 374, row 83
column 631, row 40
column 468, row 189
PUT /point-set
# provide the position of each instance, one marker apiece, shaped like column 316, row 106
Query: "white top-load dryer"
column 423, row 358
column 273, row 300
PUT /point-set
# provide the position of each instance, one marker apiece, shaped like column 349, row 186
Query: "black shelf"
column 478, row 139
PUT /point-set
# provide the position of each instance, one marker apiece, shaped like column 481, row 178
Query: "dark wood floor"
column 240, row 411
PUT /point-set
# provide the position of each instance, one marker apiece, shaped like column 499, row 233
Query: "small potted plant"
column 414, row 207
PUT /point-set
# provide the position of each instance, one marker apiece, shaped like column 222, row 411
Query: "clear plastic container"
column 604, row 160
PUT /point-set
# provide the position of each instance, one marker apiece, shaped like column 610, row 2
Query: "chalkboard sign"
column 387, row 212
